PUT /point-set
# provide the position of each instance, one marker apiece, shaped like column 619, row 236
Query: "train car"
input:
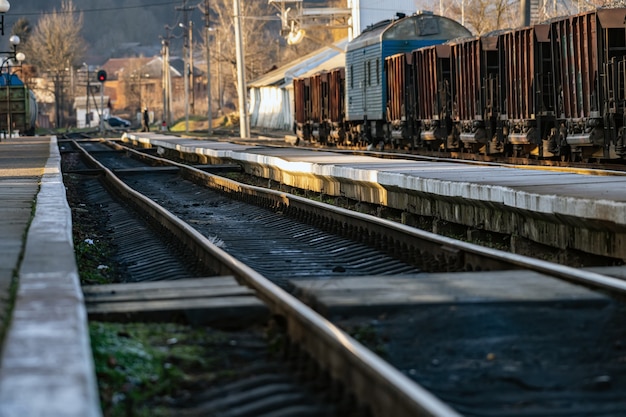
column 318, row 106
column 302, row 111
column 366, row 89
column 550, row 90
column 589, row 50
column 528, row 91
column 401, row 93
column 475, row 95
column 336, row 104
column 433, row 77
column 18, row 106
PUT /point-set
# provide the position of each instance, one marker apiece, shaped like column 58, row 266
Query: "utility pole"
column 207, row 24
column 87, row 114
column 167, row 83
column 192, row 84
column 244, row 123
column 165, row 78
column 186, row 9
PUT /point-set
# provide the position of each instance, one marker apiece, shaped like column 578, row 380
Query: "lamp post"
column 4, row 7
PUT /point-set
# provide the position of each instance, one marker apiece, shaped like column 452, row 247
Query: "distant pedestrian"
column 145, row 125
column 164, row 126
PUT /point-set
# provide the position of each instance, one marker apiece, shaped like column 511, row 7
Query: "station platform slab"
column 568, row 209
column 46, row 364
column 383, row 293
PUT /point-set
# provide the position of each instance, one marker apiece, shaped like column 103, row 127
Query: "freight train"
column 18, row 106
column 555, row 90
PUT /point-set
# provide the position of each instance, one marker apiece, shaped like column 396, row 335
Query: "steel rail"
column 583, row 277
column 384, row 389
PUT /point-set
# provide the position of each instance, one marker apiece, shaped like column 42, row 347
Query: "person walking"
column 145, row 125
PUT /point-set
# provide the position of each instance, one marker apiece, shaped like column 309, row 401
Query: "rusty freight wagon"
column 401, row 99
column 319, row 106
column 590, row 76
column 475, row 99
column 434, row 105
column 336, row 104
column 302, row 108
column 527, row 91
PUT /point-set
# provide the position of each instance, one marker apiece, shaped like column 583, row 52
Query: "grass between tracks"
column 145, row 369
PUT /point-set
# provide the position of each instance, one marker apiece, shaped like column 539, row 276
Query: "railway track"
column 268, row 138
column 449, row 360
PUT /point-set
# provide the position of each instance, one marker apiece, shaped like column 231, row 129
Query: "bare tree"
column 583, row 5
column 23, row 29
column 265, row 49
column 483, row 16
column 56, row 47
column 258, row 38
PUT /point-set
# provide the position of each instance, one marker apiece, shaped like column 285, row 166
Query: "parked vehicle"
column 115, row 121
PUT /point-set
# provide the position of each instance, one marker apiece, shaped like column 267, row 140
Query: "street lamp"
column 4, row 7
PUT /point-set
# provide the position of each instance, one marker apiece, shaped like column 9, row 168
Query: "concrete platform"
column 46, row 366
column 384, row 293
column 565, row 209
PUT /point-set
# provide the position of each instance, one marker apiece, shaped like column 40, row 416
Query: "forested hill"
column 106, row 23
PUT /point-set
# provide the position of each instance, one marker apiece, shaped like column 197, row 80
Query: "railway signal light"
column 102, row 76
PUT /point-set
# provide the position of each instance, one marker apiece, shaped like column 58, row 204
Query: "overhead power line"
column 102, row 9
